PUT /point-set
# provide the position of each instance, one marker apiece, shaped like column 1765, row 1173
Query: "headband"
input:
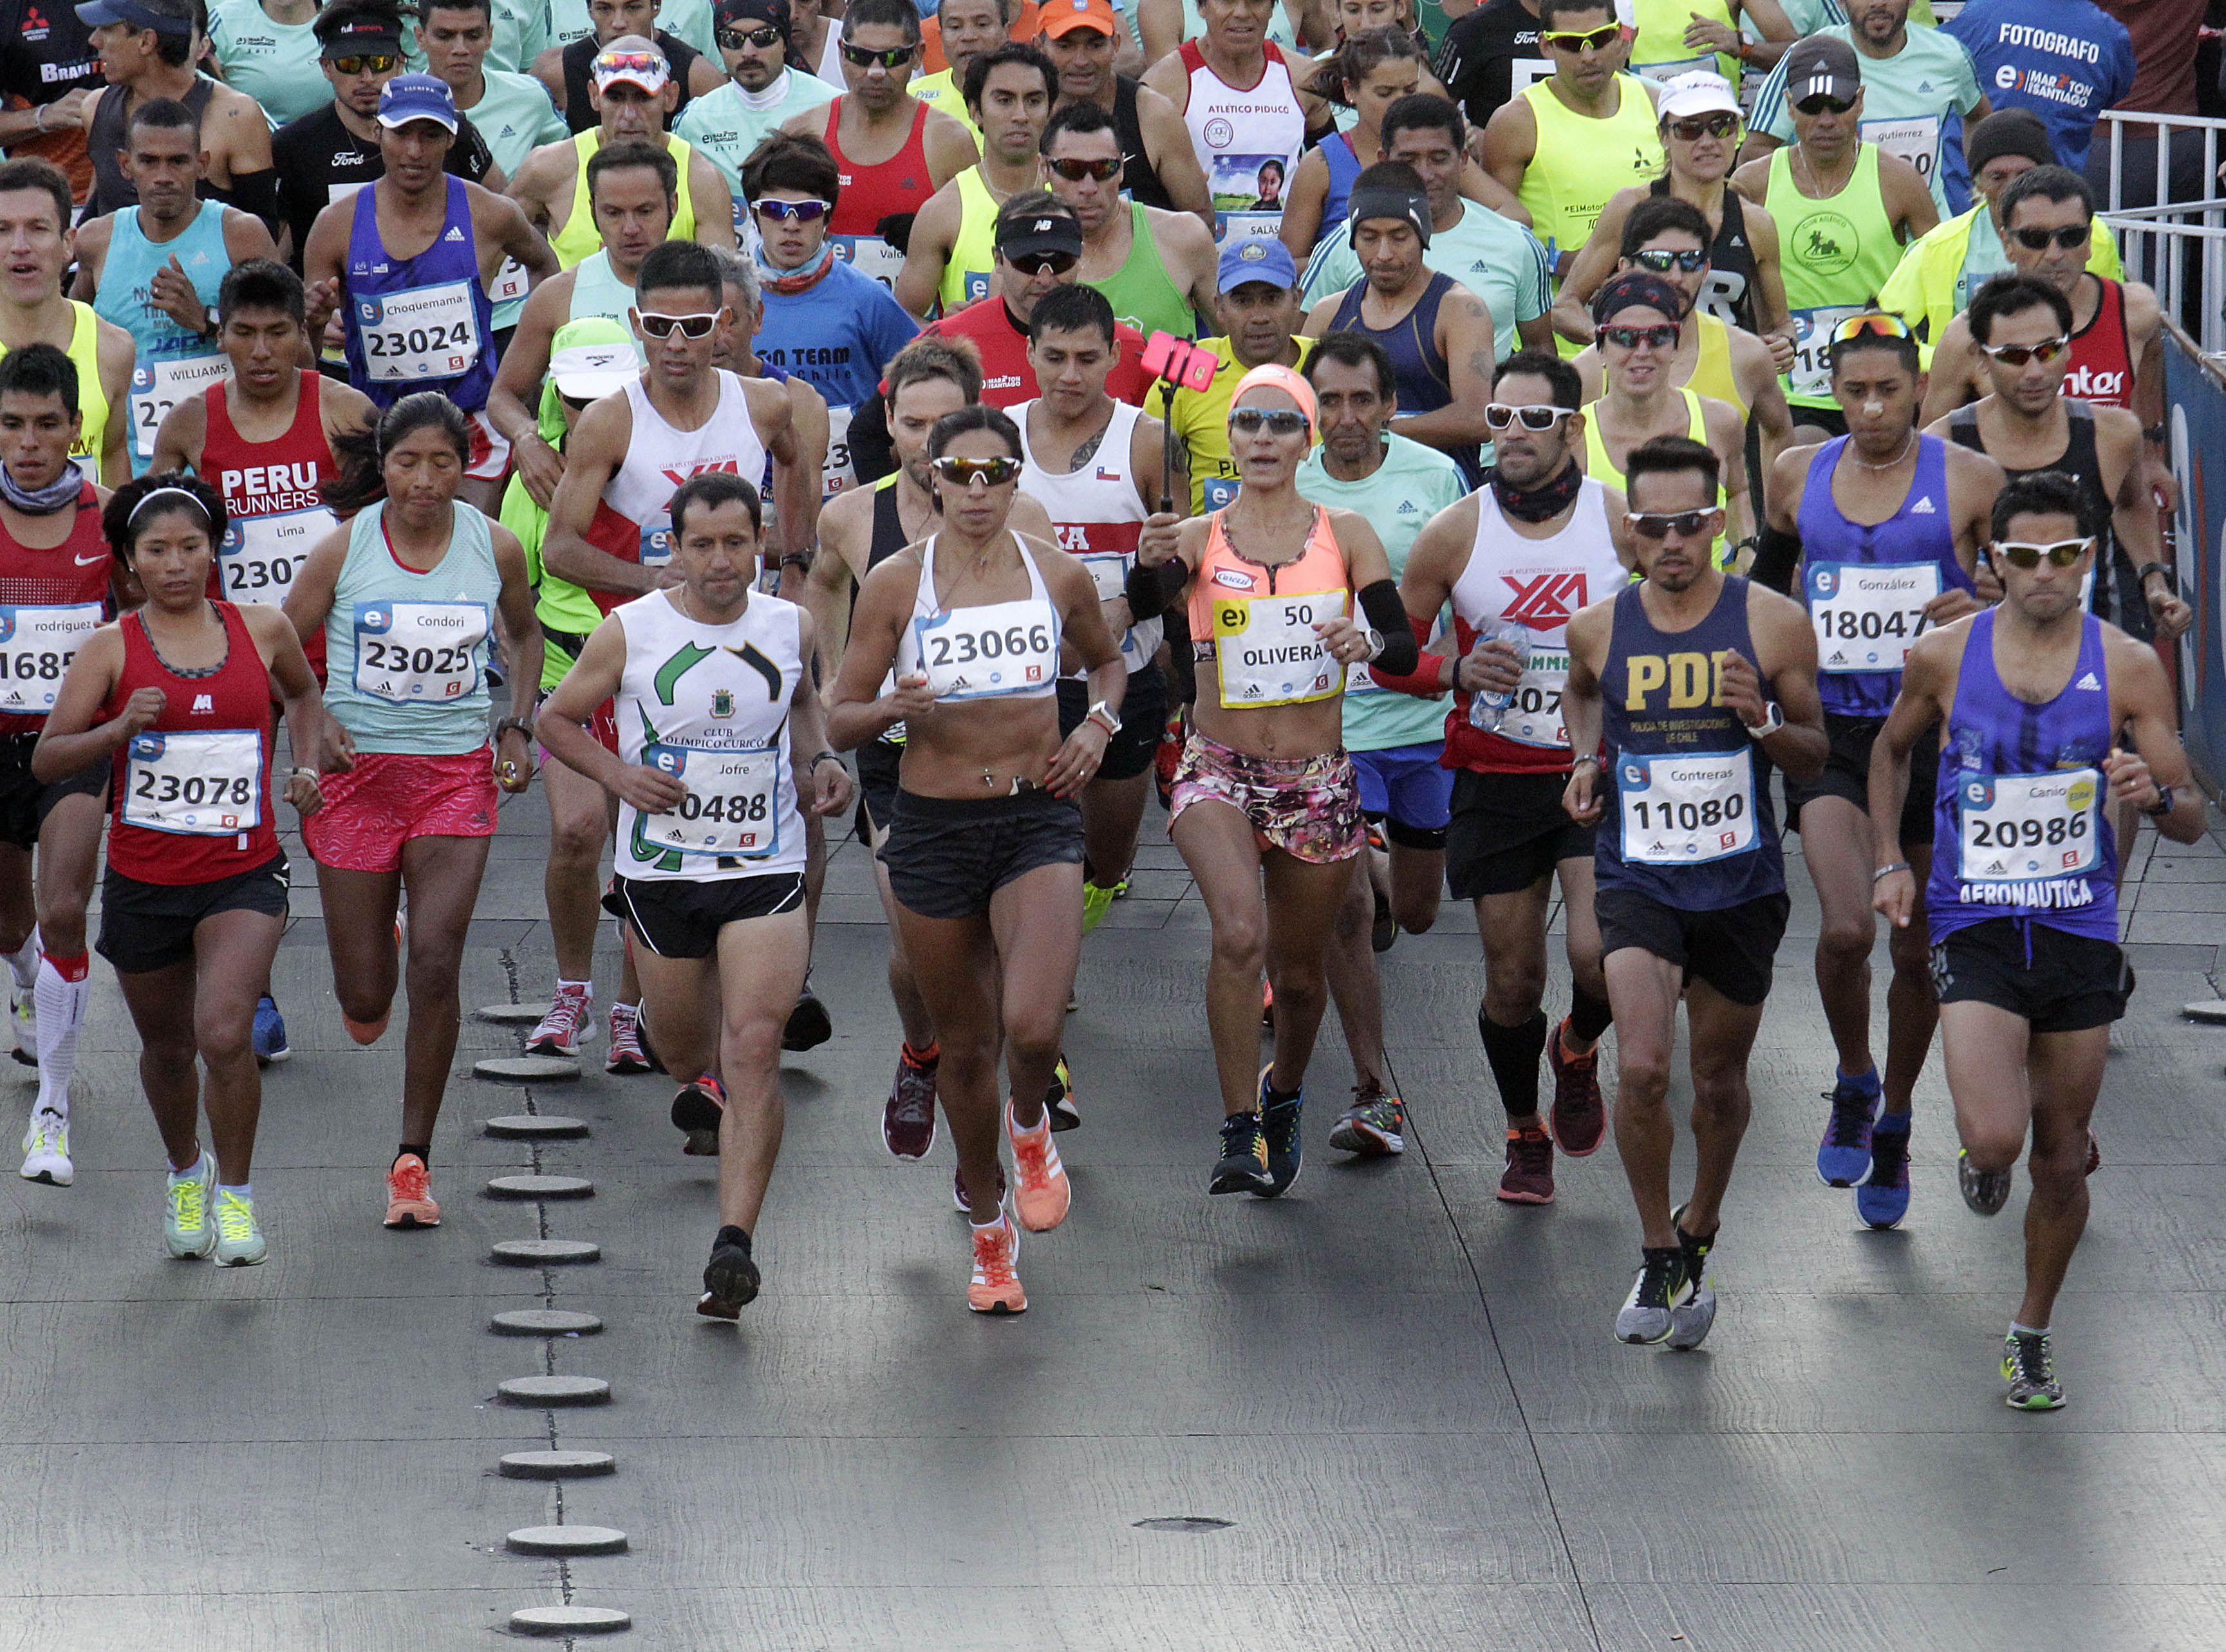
column 1273, row 376
column 186, row 494
column 1411, row 204
column 1634, row 289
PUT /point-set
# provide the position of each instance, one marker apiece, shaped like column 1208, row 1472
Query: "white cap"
column 587, row 372
column 1697, row 92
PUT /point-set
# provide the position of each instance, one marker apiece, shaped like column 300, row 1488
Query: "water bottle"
column 1487, row 707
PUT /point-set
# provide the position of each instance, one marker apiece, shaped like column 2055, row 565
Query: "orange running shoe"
column 367, row 1032
column 1042, row 1195
column 410, row 1195
column 995, row 1287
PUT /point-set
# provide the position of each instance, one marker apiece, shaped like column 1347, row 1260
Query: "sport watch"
column 1105, row 717
column 1773, row 719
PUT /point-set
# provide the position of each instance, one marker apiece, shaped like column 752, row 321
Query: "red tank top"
column 191, row 799
column 35, row 648
column 263, row 482
column 2101, row 355
column 870, row 194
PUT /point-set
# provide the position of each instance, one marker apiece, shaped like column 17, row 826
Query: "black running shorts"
column 25, row 801
column 1731, row 948
column 1848, row 774
column 2062, row 983
column 147, row 926
column 681, row 917
column 1508, row 831
column 877, row 786
column 946, row 856
column 1143, row 719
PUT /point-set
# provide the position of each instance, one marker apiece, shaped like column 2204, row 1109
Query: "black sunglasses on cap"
column 1037, row 263
column 1821, row 105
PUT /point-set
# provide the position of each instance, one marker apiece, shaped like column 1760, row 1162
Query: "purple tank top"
column 421, row 323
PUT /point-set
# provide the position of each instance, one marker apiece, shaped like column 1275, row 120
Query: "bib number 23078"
column 201, row 785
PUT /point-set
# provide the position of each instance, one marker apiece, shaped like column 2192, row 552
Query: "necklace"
column 1817, row 192
column 1901, row 454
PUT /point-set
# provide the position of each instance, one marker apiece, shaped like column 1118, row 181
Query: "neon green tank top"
column 1581, row 162
column 578, row 238
column 1142, row 292
column 1658, row 50
column 1601, row 468
column 92, row 401
column 1835, row 255
column 973, row 254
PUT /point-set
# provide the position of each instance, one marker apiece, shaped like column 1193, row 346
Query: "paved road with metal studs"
column 1384, row 1411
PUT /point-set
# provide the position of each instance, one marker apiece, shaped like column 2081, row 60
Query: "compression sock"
column 1512, row 1052
column 64, row 988
column 425, row 1152
column 1588, row 1016
column 23, row 963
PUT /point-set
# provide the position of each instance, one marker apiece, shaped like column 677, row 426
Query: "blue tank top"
column 406, row 652
column 1343, row 167
column 173, row 362
column 421, row 323
column 1424, row 383
column 1689, row 821
column 1865, row 584
column 2020, row 825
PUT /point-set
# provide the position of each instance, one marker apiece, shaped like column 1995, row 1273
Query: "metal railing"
column 2177, row 246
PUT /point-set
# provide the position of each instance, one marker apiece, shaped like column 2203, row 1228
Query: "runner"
column 49, row 73
column 985, row 850
column 1257, row 309
column 2024, row 946
column 1692, row 884
column 1157, row 268
column 1160, row 168
column 406, row 595
column 146, row 49
column 1887, row 524
column 1266, row 807
column 949, row 253
column 1367, row 74
column 155, row 269
column 756, row 38
column 716, row 709
column 176, row 697
column 1396, row 743
column 566, row 68
column 1490, row 56
column 1162, row 26
column 968, row 31
column 1671, row 40
column 35, row 219
column 56, row 564
column 420, row 319
column 268, row 50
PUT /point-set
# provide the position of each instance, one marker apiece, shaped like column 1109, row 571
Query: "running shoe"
column 908, row 1116
column 1985, row 1190
column 809, row 1025
column 1058, row 1098
column 696, row 1111
column 1883, row 1198
column 1578, row 1116
column 1373, row 1126
column 410, row 1194
column 2031, row 1372
column 627, row 1054
column 1383, row 928
column 1279, row 1120
column 45, row 1149
column 186, row 1226
column 24, row 1022
column 367, row 1032
column 1097, row 901
column 730, row 1278
column 995, row 1286
column 1691, row 1321
column 1041, row 1196
column 1528, row 1177
column 558, row 1032
column 1243, row 1167
column 1649, row 1314
column 958, row 1191
column 269, row 1034
column 1844, row 1158
column 239, row 1242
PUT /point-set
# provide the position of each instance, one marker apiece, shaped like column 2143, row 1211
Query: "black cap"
column 1822, row 65
column 1033, row 232
column 363, row 37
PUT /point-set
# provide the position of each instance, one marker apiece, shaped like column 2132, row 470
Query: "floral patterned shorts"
column 1308, row 807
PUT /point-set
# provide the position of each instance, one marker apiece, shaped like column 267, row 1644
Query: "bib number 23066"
column 1685, row 810
column 999, row 648
column 412, row 653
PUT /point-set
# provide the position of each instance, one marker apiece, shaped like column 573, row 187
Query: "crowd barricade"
column 2195, row 436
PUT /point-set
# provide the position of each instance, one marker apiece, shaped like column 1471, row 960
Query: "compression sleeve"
column 256, row 193
column 1775, row 559
column 1149, row 590
column 1380, row 602
column 1425, row 679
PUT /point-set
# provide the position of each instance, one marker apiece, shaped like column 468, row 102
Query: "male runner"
column 154, row 269
column 1887, row 524
column 35, row 219
column 2043, row 705
column 767, row 85
column 1160, row 166
column 146, row 49
column 52, row 560
column 1258, row 310
column 1687, row 682
column 1156, row 267
column 968, row 31
column 948, row 257
column 565, row 67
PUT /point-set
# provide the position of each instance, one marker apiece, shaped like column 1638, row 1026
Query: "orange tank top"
column 1254, row 624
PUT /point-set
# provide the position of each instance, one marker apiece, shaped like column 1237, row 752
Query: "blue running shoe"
column 1883, row 1199
column 1844, row 1158
column 270, row 1032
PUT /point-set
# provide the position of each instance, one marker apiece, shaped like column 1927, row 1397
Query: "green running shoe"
column 239, row 1242
column 1097, row 901
column 187, row 1228
column 2030, row 1372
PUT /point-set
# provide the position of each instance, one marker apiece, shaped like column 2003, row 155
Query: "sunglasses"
column 383, row 63
column 1036, row 264
column 659, row 325
column 2016, row 355
column 648, row 63
column 1664, row 336
column 1882, row 325
column 1535, row 416
column 1659, row 525
column 1597, row 39
column 1662, row 261
column 1076, row 171
column 792, row 211
column 894, row 58
column 1276, row 421
column 964, row 473
column 1691, row 129
column 1821, row 105
column 2066, row 236
column 2061, row 554
column 734, row 40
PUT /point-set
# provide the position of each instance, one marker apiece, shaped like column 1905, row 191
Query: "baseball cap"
column 586, row 371
column 1822, row 65
column 416, row 97
column 1035, row 233
column 163, row 16
column 361, row 37
column 1697, row 92
column 1060, row 18
column 633, row 60
column 1257, row 258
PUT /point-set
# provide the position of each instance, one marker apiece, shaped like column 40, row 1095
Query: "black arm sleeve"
column 1775, row 559
column 1149, row 590
column 254, row 192
column 872, row 454
column 1387, row 614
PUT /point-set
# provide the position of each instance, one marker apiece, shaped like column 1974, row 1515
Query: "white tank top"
column 1099, row 514
column 1526, row 589
column 997, row 649
column 1237, row 131
column 660, row 458
column 709, row 705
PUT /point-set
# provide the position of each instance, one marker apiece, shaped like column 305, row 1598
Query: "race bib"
column 416, row 653
column 1914, row 139
column 732, row 805
column 998, row 649
column 2027, row 828
column 1267, row 651
column 1220, row 491
column 261, row 555
column 1533, row 717
column 1867, row 615
column 158, row 386
column 511, row 281
column 1236, row 228
column 839, row 474
column 199, row 784
column 425, row 333
column 1811, row 375
column 1685, row 810
column 36, row 645
column 1109, row 575
column 1662, row 73
column 869, row 255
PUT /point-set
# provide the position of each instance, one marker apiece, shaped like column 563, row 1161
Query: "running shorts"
column 681, row 917
column 1731, row 948
column 26, row 801
column 1508, row 831
column 146, row 926
column 389, row 797
column 1308, row 807
column 878, row 760
column 490, row 457
column 1848, row 774
column 947, row 857
column 1143, row 716
column 2058, row 982
column 1410, row 790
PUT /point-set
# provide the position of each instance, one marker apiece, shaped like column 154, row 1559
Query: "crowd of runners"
column 1486, row 449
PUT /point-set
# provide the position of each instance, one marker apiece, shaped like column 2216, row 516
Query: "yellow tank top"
column 92, row 400
column 1601, row 468
column 1712, row 374
column 1657, row 47
column 941, row 91
column 1581, row 162
column 578, row 239
column 973, row 256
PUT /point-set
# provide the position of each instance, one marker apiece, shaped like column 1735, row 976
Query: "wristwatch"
column 1374, row 638
column 523, row 725
column 2162, row 806
column 1773, row 719
column 2146, row 568
column 1105, row 717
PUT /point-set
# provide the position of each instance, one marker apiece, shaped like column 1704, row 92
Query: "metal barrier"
column 2195, row 392
column 2174, row 245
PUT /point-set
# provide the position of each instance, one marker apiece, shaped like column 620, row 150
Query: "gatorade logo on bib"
column 1828, row 243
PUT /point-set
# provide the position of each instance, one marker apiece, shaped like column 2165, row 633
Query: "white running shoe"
column 239, row 1242
column 46, row 1150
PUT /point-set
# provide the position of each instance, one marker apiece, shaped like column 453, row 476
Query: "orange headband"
column 1274, row 376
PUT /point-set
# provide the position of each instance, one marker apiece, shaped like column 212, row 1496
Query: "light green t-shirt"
column 276, row 64
column 1500, row 262
column 1412, row 484
column 1906, row 98
column 521, row 33
column 687, row 21
column 726, row 124
column 516, row 116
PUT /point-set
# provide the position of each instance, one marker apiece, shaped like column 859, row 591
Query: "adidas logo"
column 1924, row 507
column 1406, row 507
column 455, row 232
column 2087, row 681
column 1924, row 85
column 203, row 703
column 1736, row 240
